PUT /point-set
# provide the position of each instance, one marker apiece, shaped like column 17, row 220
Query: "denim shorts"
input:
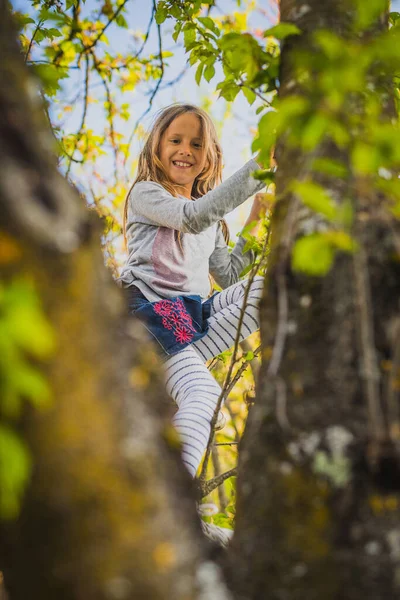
column 173, row 322
column 135, row 298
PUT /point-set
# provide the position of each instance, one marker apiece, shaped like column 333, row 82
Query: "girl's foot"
column 221, row 421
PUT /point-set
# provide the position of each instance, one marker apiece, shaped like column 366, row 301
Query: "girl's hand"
column 261, row 203
column 259, row 207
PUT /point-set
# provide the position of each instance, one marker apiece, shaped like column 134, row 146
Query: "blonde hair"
column 150, row 167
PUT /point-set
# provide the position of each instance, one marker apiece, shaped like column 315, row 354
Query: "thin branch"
column 226, row 443
column 49, row 62
column 227, row 382
column 154, row 92
column 207, row 487
column 32, row 39
column 114, row 16
column 74, row 29
column 223, row 501
column 146, row 36
column 85, row 107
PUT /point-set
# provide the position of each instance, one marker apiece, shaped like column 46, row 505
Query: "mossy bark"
column 319, row 479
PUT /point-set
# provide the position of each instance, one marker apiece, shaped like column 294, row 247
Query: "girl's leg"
column 195, row 391
column 225, row 314
column 190, row 383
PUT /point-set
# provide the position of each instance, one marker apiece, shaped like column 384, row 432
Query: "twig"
column 207, row 487
column 233, row 420
column 32, row 39
column 146, row 37
column 85, row 107
column 223, row 501
column 114, row 16
column 225, row 443
column 74, row 28
column 227, row 382
column 154, row 92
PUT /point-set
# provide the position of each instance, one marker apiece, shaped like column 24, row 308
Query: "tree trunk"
column 109, row 511
column 319, row 479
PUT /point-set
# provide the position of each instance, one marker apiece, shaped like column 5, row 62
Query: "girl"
column 176, row 238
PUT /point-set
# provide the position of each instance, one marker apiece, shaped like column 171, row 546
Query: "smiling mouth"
column 181, row 164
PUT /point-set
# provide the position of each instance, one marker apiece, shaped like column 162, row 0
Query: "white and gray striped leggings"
column 188, row 380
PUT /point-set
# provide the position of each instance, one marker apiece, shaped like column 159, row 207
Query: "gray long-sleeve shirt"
column 158, row 264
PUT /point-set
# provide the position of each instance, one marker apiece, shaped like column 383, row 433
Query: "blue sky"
column 236, row 133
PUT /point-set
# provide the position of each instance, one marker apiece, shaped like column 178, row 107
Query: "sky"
column 237, row 131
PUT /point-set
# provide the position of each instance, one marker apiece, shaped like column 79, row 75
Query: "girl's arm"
column 226, row 266
column 151, row 203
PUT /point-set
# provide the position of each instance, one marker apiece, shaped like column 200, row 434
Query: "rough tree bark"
column 298, row 535
column 109, row 511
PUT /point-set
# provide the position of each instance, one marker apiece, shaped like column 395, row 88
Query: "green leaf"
column 189, row 34
column 28, row 328
column 210, row 24
column 209, row 72
column 50, row 76
column 22, row 20
column 313, row 132
column 368, row 12
column 282, row 31
column 177, row 30
column 330, row 167
column 365, row 158
column 121, row 21
column 31, row 384
column 246, row 270
column 175, row 11
column 341, row 241
column 267, row 132
column 394, row 17
column 249, row 95
column 15, row 470
column 330, row 43
column 313, row 255
column 315, row 197
column 161, row 13
column 264, row 175
column 199, row 71
column 228, row 90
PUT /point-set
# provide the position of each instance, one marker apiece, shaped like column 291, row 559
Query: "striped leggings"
column 188, row 380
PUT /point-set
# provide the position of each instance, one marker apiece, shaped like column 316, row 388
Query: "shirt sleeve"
column 151, row 203
column 226, row 266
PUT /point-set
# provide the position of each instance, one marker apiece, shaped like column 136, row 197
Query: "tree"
column 318, row 475
column 105, row 498
column 318, row 489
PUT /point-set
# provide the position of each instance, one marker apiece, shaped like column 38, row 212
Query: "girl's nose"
column 185, row 151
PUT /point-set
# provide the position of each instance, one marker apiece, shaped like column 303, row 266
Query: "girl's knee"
column 257, row 287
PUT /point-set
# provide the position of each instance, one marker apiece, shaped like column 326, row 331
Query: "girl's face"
column 182, row 153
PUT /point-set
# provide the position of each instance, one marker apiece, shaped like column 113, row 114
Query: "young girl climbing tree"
column 176, row 239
